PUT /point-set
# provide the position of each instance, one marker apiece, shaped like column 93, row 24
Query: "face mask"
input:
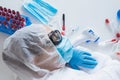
column 41, row 10
column 47, row 7
column 65, row 48
column 62, row 44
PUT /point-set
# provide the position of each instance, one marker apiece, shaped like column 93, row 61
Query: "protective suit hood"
column 30, row 53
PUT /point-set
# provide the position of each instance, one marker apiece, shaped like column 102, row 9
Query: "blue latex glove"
column 83, row 59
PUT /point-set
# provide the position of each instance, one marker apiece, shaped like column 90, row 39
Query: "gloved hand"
column 75, row 57
column 83, row 59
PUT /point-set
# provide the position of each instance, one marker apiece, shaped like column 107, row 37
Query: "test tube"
column 0, row 13
column 110, row 26
column 114, row 40
column 1, row 8
column 13, row 12
column 12, row 16
column 9, row 10
column 118, row 18
column 17, row 13
column 3, row 13
column 5, row 9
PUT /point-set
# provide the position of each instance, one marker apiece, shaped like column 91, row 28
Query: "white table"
column 83, row 13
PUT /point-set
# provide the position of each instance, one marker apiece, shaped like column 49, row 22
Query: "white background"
column 83, row 13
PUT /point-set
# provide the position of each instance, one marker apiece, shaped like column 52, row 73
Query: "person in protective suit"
column 34, row 53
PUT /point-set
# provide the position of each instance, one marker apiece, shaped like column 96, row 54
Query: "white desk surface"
column 83, row 13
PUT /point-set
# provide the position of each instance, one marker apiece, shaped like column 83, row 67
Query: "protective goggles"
column 55, row 37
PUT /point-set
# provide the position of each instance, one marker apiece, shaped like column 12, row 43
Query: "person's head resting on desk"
column 31, row 51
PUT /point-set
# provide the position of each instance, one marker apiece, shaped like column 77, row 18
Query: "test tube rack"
column 11, row 20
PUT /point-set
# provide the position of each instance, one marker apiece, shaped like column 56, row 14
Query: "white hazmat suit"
column 32, row 56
